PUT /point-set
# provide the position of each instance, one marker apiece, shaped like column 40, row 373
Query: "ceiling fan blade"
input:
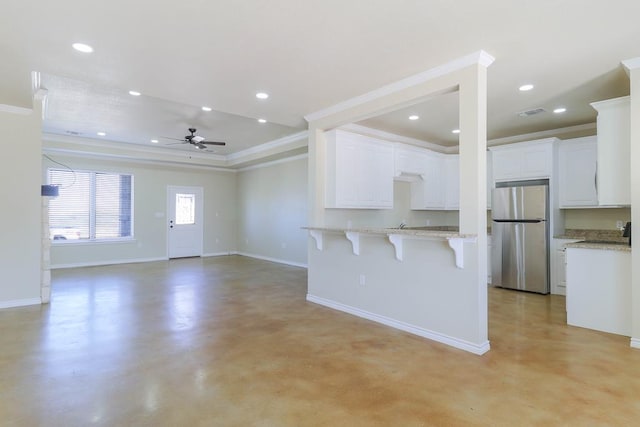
column 213, row 142
column 175, row 139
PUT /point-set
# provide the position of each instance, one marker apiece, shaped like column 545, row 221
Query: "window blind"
column 90, row 205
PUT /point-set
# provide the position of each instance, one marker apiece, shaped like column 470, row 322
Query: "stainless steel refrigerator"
column 520, row 236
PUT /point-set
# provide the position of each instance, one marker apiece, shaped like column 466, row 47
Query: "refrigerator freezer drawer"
column 519, row 258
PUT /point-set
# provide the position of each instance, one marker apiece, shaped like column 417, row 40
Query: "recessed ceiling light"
column 206, row 108
column 455, row 131
column 155, row 141
column 559, row 110
column 262, row 95
column 102, row 134
column 414, row 117
column 525, row 88
column 262, row 120
column 81, row 47
column 134, row 93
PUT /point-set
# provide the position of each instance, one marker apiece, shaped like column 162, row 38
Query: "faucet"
column 402, row 225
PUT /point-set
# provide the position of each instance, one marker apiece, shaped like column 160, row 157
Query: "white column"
column 473, row 178
column 633, row 68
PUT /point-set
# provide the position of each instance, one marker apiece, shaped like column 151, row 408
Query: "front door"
column 185, row 221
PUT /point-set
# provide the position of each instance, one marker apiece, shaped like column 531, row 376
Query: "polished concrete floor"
column 231, row 341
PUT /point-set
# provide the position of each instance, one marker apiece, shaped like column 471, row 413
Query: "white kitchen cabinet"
column 490, row 183
column 359, row 172
column 614, row 166
column 558, row 266
column 577, row 172
column 599, row 289
column 409, row 160
column 452, row 182
column 525, row 160
column 489, row 260
column 428, row 192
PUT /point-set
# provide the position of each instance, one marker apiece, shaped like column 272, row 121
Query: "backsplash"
column 605, row 235
column 595, row 219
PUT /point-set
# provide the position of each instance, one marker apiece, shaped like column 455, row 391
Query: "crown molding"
column 132, row 159
column 267, row 146
column 540, row 135
column 5, row 108
column 480, row 57
column 392, row 137
column 274, row 162
column 632, row 63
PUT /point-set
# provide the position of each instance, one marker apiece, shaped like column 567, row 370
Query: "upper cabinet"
column 526, row 160
column 410, row 160
column 614, row 174
column 452, row 182
column 428, row 192
column 359, row 172
column 577, row 172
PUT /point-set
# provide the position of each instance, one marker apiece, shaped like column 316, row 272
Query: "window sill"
column 86, row 242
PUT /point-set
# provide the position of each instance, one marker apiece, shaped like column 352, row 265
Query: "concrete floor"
column 231, row 341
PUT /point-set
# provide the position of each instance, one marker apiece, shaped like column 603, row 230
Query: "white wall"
column 272, row 208
column 150, row 205
column 20, row 216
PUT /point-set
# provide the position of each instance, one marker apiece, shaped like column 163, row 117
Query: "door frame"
column 199, row 191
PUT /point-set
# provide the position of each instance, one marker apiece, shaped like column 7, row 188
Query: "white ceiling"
column 308, row 55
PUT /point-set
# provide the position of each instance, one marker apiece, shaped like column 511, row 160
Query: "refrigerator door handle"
column 524, row 221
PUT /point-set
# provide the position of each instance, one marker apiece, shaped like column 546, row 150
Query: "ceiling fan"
column 196, row 140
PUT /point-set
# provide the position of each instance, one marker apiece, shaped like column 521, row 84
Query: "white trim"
column 258, row 149
column 276, row 260
column 20, row 302
column 416, row 330
column 541, row 134
column 215, row 254
column 109, row 262
column 274, row 162
column 132, row 159
column 635, row 343
column 632, row 63
column 479, row 57
column 392, row 137
column 5, row 108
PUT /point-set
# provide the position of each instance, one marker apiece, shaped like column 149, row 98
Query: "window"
column 91, row 205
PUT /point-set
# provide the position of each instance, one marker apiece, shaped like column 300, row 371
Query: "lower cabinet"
column 599, row 289
column 489, row 260
column 559, row 266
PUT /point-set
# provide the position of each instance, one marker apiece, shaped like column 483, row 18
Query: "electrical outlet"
column 619, row 225
column 428, row 222
column 363, row 279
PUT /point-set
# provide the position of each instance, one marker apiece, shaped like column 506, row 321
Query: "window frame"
column 92, row 209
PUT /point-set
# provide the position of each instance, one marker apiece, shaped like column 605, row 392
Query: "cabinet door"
column 614, row 147
column 537, row 161
column 428, row 192
column 347, row 173
column 577, row 169
column 382, row 176
column 507, row 164
column 452, row 176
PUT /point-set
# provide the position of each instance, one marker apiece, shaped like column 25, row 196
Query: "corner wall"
column 150, row 208
column 272, row 208
column 20, row 215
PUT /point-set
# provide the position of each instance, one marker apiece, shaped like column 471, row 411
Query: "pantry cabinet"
column 577, row 172
column 359, row 172
column 614, row 166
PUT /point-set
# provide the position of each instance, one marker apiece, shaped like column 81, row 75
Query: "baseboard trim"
column 219, row 254
column 279, row 261
column 20, row 302
column 635, row 342
column 425, row 333
column 109, row 262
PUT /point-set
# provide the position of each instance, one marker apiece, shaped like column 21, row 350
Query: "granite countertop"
column 611, row 240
